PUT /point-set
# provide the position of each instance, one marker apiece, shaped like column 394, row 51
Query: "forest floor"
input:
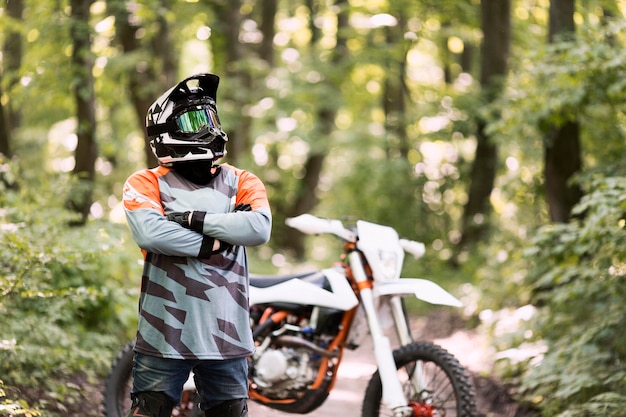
column 469, row 346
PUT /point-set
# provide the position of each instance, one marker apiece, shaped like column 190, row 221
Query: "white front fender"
column 423, row 289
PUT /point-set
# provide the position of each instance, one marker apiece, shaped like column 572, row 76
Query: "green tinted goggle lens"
column 194, row 121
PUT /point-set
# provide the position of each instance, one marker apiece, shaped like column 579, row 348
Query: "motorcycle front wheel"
column 116, row 395
column 434, row 383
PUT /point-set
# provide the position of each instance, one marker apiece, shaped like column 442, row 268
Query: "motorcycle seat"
column 265, row 281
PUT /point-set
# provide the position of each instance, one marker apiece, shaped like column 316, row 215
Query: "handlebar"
column 417, row 249
column 313, row 225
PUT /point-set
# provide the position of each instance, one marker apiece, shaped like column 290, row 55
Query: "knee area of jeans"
column 152, row 404
column 230, row 408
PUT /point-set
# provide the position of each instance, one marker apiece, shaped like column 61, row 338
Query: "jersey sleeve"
column 247, row 228
column 149, row 227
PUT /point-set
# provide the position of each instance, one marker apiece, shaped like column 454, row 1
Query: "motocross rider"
column 192, row 219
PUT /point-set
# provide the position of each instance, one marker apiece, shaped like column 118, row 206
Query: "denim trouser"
column 216, row 380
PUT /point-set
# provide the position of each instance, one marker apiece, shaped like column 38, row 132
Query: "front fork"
column 404, row 336
column 393, row 397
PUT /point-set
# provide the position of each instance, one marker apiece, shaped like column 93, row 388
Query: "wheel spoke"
column 434, row 384
column 437, row 389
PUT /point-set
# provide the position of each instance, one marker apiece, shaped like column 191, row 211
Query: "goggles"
column 189, row 122
column 193, row 121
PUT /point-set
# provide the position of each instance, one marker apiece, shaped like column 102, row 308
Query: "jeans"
column 216, row 380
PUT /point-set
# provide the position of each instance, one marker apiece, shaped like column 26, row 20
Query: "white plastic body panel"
column 422, row 288
column 301, row 292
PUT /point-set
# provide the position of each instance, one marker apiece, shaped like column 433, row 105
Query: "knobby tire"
column 116, row 402
column 449, row 391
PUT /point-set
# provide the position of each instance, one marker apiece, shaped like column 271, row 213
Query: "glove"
column 206, row 249
column 180, row 218
column 193, row 220
column 225, row 246
column 242, row 207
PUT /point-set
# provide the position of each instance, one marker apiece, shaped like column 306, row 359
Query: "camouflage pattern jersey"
column 194, row 305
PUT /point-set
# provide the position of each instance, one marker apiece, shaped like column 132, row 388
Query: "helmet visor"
column 195, row 120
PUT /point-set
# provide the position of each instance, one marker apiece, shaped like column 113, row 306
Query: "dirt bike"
column 302, row 323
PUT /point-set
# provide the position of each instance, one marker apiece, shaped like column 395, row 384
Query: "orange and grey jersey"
column 194, row 305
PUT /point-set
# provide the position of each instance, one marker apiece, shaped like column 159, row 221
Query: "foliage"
column 69, row 294
column 9, row 407
column 573, row 272
column 580, row 79
column 577, row 283
column 65, row 306
column 577, row 79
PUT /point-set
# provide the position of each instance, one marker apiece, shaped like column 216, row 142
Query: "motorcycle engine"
column 288, row 359
column 281, row 372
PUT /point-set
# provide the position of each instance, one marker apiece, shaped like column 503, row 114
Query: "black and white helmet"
column 183, row 124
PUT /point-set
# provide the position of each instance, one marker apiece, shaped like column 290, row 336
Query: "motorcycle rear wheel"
column 448, row 390
column 119, row 382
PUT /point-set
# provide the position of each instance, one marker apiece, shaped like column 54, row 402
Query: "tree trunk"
column 145, row 81
column 562, row 148
column 84, row 97
column 162, row 47
column 268, row 22
column 237, row 76
column 12, row 61
column 562, row 160
column 306, row 196
column 5, row 132
column 496, row 25
column 394, row 96
column 445, row 55
column 316, row 33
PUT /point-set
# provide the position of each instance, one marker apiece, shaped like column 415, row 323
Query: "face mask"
column 198, row 172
